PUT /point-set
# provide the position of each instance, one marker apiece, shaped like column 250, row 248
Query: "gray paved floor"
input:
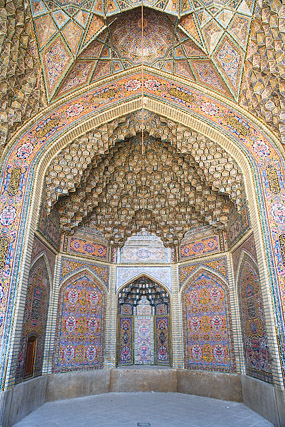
column 130, row 409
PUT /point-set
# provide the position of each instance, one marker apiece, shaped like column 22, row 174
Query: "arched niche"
column 207, row 324
column 79, row 337
column 144, row 336
column 31, row 150
column 255, row 342
column 31, row 352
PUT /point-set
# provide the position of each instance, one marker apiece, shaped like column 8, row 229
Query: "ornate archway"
column 143, row 324
column 29, row 153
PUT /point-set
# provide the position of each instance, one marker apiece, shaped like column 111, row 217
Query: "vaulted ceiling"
column 102, row 179
column 83, row 41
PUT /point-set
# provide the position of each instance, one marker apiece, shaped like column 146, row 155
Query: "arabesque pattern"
column 207, row 325
column 80, row 330
column 35, row 317
column 257, row 356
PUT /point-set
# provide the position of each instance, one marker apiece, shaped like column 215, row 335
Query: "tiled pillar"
column 235, row 315
column 52, row 318
column 177, row 324
column 111, row 322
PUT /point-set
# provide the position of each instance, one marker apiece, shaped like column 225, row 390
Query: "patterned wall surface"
column 144, row 247
column 248, row 137
column 48, row 225
column 205, row 246
column 35, row 317
column 257, row 356
column 79, row 43
column 79, row 340
column 125, row 345
column 144, row 340
column 87, row 248
column 161, row 274
column 207, row 324
column 217, row 265
column 237, row 226
column 262, row 91
column 162, row 347
column 70, row 266
column 40, row 248
column 22, row 93
column 249, row 246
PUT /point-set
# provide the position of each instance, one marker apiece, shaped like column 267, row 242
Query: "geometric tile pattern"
column 229, row 57
column 56, row 58
column 145, row 201
column 214, row 31
column 22, row 92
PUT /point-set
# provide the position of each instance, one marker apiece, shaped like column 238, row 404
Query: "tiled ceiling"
column 81, row 41
column 106, row 182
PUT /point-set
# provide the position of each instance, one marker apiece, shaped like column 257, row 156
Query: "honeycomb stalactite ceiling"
column 22, row 93
column 103, row 179
column 263, row 89
column 201, row 40
column 162, row 192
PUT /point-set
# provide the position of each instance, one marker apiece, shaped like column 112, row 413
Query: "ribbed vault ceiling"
column 81, row 42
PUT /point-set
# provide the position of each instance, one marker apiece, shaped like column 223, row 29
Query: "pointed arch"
column 247, row 140
column 47, row 263
column 200, row 268
column 35, row 317
column 85, row 269
column 148, row 276
column 242, row 258
column 143, row 323
column 207, row 324
column 80, row 329
column 255, row 342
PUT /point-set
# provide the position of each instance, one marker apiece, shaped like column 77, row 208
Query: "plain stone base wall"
column 24, row 398
column 21, row 400
column 210, row 384
column 264, row 399
column 5, row 404
column 77, row 384
column 132, row 380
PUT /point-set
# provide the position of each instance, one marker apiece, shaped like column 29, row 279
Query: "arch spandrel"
column 148, row 276
column 31, row 150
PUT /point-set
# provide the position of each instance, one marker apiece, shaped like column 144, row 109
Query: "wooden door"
column 30, row 356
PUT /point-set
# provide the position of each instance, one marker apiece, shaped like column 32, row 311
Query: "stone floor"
column 143, row 410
